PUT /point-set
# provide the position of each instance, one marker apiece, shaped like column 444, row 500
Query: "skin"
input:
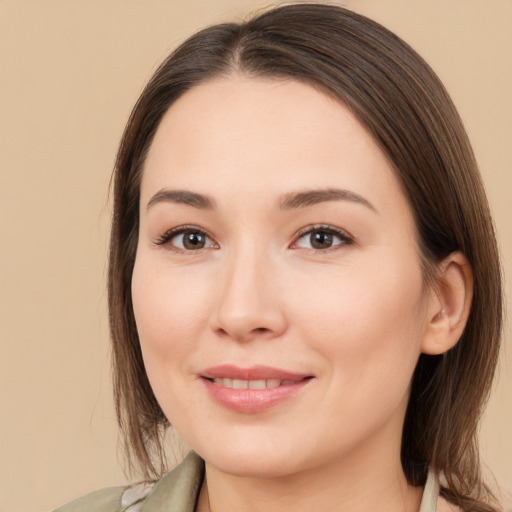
column 355, row 316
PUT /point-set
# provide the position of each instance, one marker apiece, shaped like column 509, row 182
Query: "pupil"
column 321, row 240
column 193, row 241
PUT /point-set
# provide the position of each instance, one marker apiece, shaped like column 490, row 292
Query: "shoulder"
column 103, row 500
column 180, row 488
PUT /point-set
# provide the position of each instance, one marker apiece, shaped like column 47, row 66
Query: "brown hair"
column 402, row 103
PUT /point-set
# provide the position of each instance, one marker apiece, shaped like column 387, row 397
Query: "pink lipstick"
column 252, row 390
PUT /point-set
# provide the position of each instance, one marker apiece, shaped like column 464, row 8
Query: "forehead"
column 264, row 136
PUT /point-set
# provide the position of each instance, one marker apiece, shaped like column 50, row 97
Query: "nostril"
column 260, row 330
column 243, row 335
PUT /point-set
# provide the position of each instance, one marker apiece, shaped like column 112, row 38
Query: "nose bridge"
column 248, row 301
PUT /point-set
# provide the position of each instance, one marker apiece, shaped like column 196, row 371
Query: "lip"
column 251, row 401
column 257, row 372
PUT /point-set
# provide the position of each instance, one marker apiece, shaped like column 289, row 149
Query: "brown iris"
column 321, row 240
column 193, row 240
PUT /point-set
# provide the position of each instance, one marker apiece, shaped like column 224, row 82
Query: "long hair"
column 404, row 106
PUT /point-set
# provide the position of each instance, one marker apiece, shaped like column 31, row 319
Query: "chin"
column 256, row 460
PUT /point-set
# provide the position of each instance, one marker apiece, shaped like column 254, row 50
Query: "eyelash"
column 172, row 233
column 344, row 237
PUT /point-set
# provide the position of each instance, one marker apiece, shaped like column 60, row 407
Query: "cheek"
column 367, row 318
column 168, row 314
column 366, row 331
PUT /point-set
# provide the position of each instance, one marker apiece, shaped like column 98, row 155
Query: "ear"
column 449, row 304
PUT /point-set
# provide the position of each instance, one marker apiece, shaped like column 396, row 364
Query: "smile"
column 252, row 390
column 252, row 384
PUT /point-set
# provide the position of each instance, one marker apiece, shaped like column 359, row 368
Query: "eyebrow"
column 289, row 201
column 201, row 201
column 311, row 197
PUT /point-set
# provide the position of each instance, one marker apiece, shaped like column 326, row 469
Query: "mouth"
column 252, row 390
column 252, row 384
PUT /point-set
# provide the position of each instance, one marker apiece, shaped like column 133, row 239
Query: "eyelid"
column 344, row 236
column 164, row 240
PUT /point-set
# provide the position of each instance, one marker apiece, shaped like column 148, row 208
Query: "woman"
column 304, row 278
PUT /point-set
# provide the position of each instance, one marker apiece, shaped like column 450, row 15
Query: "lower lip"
column 253, row 400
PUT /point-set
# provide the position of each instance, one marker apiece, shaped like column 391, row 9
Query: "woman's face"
column 277, row 287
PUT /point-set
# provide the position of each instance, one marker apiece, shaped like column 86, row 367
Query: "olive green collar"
column 178, row 491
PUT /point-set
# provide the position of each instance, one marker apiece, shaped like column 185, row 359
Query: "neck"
column 358, row 483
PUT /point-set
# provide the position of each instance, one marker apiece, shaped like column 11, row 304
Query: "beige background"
column 70, row 71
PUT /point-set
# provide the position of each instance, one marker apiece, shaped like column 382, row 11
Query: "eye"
column 186, row 239
column 322, row 238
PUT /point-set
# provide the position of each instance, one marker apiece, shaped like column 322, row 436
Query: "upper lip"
column 257, row 372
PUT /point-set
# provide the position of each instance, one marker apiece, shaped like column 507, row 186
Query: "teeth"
column 251, row 384
column 240, row 384
column 257, row 384
column 273, row 383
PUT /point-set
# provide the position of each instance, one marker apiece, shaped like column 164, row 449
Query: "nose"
column 249, row 301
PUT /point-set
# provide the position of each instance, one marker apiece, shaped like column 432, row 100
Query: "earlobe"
column 449, row 306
